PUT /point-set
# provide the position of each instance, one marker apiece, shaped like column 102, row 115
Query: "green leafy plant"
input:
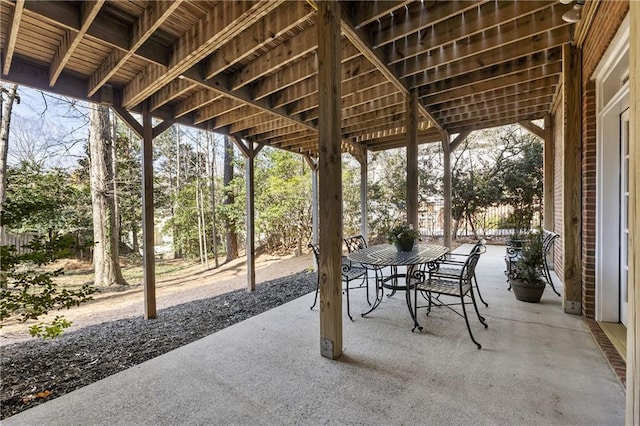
column 531, row 260
column 29, row 291
column 402, row 232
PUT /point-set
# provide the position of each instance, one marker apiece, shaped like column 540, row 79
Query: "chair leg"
column 415, row 310
column 315, row 299
column 475, row 305
column 475, row 280
column 466, row 319
column 348, row 307
column 547, row 276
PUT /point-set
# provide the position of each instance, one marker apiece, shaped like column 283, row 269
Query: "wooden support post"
column 447, row 178
column 364, row 205
column 249, row 152
column 148, row 261
column 548, row 164
column 330, row 178
column 411, row 126
column 571, row 180
column 633, row 295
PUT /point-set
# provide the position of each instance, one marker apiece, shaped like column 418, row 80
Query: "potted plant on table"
column 526, row 278
column 403, row 236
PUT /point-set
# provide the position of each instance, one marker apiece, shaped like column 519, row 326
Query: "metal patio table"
column 383, row 255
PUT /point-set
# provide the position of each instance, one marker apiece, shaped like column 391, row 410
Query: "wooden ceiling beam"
column 493, row 84
column 494, row 62
column 419, row 18
column 274, row 130
column 389, row 115
column 221, row 24
column 230, row 117
column 533, row 89
column 495, row 110
column 367, row 12
column 291, row 50
column 362, row 41
column 388, row 124
column 170, row 92
column 309, row 87
column 545, row 95
column 532, row 128
column 105, row 29
column 460, row 27
column 88, row 13
column 220, row 85
column 216, row 109
column 474, row 125
column 196, row 101
column 150, row 20
column 381, row 103
column 273, row 26
column 263, row 126
column 514, row 41
column 400, row 140
column 380, row 95
column 531, row 113
column 353, row 65
column 10, row 41
column 502, row 71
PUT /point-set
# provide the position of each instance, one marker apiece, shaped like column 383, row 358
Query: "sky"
column 47, row 129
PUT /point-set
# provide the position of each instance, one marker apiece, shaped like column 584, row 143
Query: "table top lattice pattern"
column 388, row 255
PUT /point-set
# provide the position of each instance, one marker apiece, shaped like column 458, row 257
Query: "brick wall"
column 588, row 199
column 610, row 15
column 558, row 132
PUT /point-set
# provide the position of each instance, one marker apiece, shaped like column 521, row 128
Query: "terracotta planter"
column 405, row 245
column 527, row 292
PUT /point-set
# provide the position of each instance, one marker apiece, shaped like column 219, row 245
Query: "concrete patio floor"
column 537, row 366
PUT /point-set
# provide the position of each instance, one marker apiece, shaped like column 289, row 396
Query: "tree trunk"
column 212, row 161
column 5, row 124
column 105, row 228
column 232, row 236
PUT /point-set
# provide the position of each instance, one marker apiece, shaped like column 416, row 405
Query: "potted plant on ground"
column 403, row 236
column 526, row 278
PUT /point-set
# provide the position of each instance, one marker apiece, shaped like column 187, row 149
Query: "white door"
column 624, row 214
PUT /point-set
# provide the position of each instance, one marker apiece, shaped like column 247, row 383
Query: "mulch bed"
column 36, row 371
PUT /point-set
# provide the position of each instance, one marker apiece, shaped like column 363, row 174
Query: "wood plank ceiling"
column 249, row 68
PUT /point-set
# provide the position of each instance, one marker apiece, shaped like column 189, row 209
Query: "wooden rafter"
column 411, row 23
column 10, row 43
column 171, row 91
column 494, row 83
column 150, row 20
column 460, row 27
column 532, row 128
column 360, row 39
column 221, row 24
column 273, row 26
column 88, row 12
column 508, row 43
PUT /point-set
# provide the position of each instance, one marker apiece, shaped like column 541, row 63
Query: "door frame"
column 612, row 98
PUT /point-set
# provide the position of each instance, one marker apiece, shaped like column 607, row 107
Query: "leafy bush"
column 28, row 291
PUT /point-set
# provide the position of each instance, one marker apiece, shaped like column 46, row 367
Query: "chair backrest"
column 479, row 247
column 355, row 243
column 469, row 268
column 547, row 242
column 316, row 252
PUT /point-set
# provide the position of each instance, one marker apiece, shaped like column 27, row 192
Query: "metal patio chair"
column 436, row 288
column 453, row 263
column 349, row 273
column 514, row 251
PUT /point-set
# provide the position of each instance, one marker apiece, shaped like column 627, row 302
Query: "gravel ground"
column 36, row 371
